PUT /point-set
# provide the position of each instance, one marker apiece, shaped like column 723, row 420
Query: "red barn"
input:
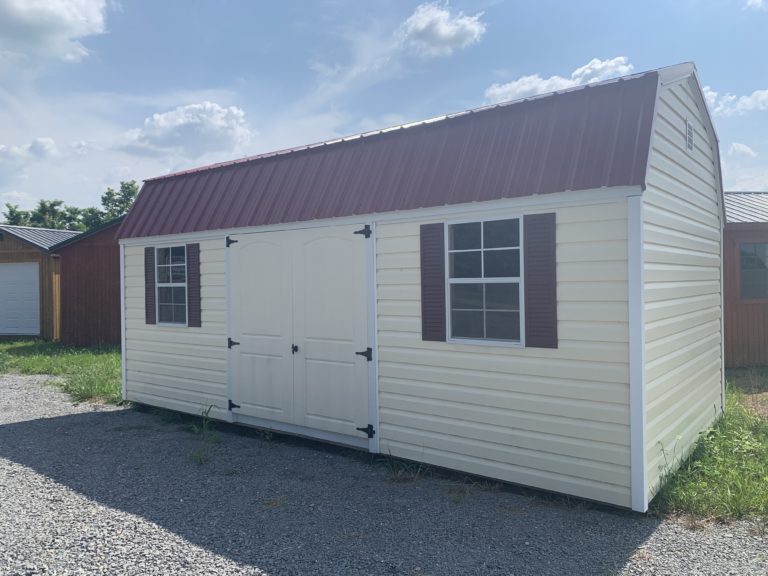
column 90, row 287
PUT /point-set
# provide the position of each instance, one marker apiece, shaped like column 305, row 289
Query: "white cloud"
column 739, row 149
column 594, row 71
column 14, row 159
column 432, row 30
column 192, row 131
column 33, row 29
column 15, row 197
column 756, row 5
column 732, row 105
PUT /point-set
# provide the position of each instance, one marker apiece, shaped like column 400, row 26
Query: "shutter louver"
column 194, row 316
column 150, row 308
column 433, row 282
column 539, row 247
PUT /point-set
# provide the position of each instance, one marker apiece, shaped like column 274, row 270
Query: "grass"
column 726, row 475
column 86, row 373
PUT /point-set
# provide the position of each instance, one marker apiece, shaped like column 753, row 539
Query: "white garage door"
column 299, row 316
column 20, row 298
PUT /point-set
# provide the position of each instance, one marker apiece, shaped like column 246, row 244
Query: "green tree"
column 91, row 217
column 48, row 214
column 16, row 217
column 117, row 203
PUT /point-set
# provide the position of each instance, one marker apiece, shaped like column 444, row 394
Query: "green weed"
column 86, row 373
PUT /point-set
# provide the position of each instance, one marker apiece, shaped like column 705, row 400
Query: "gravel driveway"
column 87, row 489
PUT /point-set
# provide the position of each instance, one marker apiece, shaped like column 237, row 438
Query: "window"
column 484, row 280
column 753, row 266
column 171, row 281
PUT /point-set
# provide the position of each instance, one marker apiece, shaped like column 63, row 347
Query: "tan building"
column 30, row 294
column 529, row 291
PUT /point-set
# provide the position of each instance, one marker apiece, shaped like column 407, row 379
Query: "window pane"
column 502, row 263
column 501, row 233
column 164, row 295
column 467, row 324
column 179, row 314
column 177, row 255
column 502, row 296
column 502, row 325
column 163, row 256
column 179, row 296
column 179, row 274
column 165, row 313
column 753, row 262
column 465, row 265
column 467, row 296
column 464, row 236
column 163, row 274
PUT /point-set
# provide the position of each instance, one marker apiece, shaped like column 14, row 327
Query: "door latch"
column 233, row 405
column 231, row 343
column 294, row 348
column 368, row 430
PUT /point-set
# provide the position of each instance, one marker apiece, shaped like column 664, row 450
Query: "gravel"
column 93, row 489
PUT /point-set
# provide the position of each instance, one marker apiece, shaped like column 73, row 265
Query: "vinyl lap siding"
column 682, row 284
column 554, row 418
column 181, row 368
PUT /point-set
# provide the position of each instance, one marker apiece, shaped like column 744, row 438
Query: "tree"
column 16, row 217
column 115, row 204
column 55, row 214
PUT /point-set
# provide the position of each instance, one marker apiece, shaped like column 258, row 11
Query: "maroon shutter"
column 193, row 286
column 433, row 282
column 540, row 281
column 150, row 310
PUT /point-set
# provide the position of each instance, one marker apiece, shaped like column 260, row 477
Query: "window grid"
column 170, row 284
column 482, row 280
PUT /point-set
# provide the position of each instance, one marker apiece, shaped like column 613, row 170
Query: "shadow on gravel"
column 295, row 507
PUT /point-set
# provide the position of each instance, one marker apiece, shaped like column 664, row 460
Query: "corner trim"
column 122, row 322
column 636, row 302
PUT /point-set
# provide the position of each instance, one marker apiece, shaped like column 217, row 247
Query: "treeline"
column 55, row 214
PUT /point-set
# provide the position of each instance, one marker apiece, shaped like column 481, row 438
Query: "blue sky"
column 95, row 91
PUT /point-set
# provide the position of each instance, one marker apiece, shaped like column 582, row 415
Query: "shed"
column 746, row 279
column 529, row 291
column 29, row 281
column 90, row 287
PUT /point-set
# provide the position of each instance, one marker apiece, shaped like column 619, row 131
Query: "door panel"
column 262, row 365
column 330, row 323
column 20, row 298
column 308, row 288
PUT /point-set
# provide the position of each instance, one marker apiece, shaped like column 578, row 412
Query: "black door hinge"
column 368, row 353
column 368, row 430
column 294, row 348
column 233, row 405
column 231, row 343
column 365, row 231
column 230, row 241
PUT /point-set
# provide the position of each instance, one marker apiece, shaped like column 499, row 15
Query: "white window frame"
column 509, row 280
column 184, row 285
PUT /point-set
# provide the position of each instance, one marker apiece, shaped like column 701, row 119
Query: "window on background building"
column 753, row 265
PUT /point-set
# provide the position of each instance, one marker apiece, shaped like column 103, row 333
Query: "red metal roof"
column 746, row 207
column 590, row 137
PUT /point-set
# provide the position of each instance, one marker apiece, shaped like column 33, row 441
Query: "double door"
column 299, row 317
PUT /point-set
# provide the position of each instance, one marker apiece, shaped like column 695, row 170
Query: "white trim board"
column 122, row 323
column 636, row 302
column 522, row 204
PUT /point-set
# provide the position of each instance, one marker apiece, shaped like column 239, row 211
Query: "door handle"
column 294, row 348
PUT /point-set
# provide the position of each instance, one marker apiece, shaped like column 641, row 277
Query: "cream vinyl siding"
column 555, row 419
column 682, row 234
column 173, row 367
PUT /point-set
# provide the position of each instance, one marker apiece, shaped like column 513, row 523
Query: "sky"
column 93, row 92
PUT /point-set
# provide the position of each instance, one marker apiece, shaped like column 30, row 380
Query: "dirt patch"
column 756, row 403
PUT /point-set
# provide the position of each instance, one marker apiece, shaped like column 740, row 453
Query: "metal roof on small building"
column 746, row 207
column 43, row 238
column 589, row 137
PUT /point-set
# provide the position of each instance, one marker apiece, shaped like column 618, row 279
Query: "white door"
column 20, row 298
column 330, row 327
column 261, row 293
column 299, row 314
